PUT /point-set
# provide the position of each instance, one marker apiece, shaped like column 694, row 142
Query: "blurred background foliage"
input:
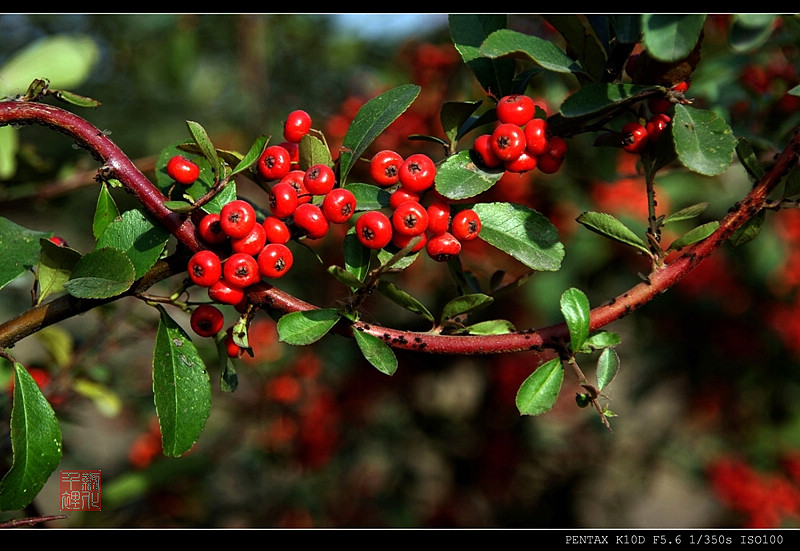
column 708, row 426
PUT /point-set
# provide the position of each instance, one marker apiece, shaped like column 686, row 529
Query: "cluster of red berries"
column 638, row 135
column 433, row 227
column 520, row 141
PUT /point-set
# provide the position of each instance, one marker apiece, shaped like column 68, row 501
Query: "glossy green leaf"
column 102, row 273
column 748, row 31
column 138, row 236
column 521, row 232
column 599, row 340
column 581, row 40
column 35, row 443
column 600, row 97
column 404, row 299
column 458, row 177
column 377, row 352
column 671, row 37
column 704, row 141
column 201, row 187
column 19, row 250
column 576, row 311
column 694, row 235
column 609, row 226
column 357, row 257
column 203, row 141
column 369, row 197
column 465, row 304
column 468, row 32
column 54, row 268
column 252, row 155
column 105, row 211
column 306, row 327
column 749, row 230
column 344, row 277
column 507, row 42
column 75, row 99
column 749, row 159
column 454, row 115
column 490, row 327
column 181, row 387
column 686, row 213
column 371, row 120
column 313, row 151
column 607, row 367
column 539, row 392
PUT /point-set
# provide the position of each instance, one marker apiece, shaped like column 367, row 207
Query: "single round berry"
column 443, row 247
column 374, row 229
column 482, row 146
column 274, row 163
column 438, row 217
column 523, row 163
column 296, row 179
column 339, row 205
column 319, row 179
column 656, row 126
column 634, row 137
column 232, row 349
column 224, row 292
column 276, row 230
column 297, row 125
column 310, row 219
column 402, row 194
column 417, row 173
column 409, row 218
column 237, row 218
column 205, row 268
column 207, row 320
column 508, row 141
column 251, row 243
column 466, row 225
column 240, row 270
column 551, row 160
column 515, row 109
column 283, row 200
column 182, row 170
column 58, row 240
column 294, row 151
column 658, row 105
column 384, row 167
column 274, row 260
column 537, row 136
column 210, row 229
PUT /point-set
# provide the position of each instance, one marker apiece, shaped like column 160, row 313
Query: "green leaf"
column 9, row 144
column 605, row 224
column 105, row 211
column 371, row 120
column 203, row 141
column 749, row 159
column 313, row 151
column 490, row 327
column 54, row 269
column 357, row 257
column 252, row 155
column 598, row 98
column 687, row 213
column 377, row 352
column 465, row 304
column 369, row 197
column 539, row 392
column 607, row 367
column 102, row 273
column 704, row 142
column 404, row 299
column 75, row 99
column 599, row 340
column 181, row 387
column 521, row 232
column 458, row 177
column 750, row 30
column 105, row 399
column 306, row 327
column 453, row 116
column 576, row 311
column 468, row 33
column 582, row 40
column 138, row 236
column 507, row 42
column 344, row 277
column 671, row 37
column 35, row 443
column 749, row 230
column 19, row 250
column 693, row 236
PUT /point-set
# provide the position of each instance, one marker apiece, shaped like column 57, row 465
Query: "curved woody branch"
column 116, row 164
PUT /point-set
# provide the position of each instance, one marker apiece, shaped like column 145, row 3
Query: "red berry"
column 374, row 229
column 482, row 146
column 537, row 136
column 438, row 217
column 508, row 141
column 251, row 243
column 232, row 349
column 295, row 178
column 182, row 170
column 310, row 219
column 515, row 109
column 682, row 87
column 237, row 218
column 443, row 247
column 58, row 240
column 319, row 179
column 207, row 320
column 384, row 167
column 240, row 270
column 658, row 105
column 656, row 125
column 225, row 293
column 417, row 173
column 400, row 241
column 402, row 194
column 294, row 151
column 550, row 161
column 521, row 164
column 634, row 137
column 409, row 218
column 205, row 268
column 274, row 260
column 297, row 125
column 283, row 200
column 274, row 163
column 210, row 229
column 339, row 205
column 466, row 225
column 276, row 230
